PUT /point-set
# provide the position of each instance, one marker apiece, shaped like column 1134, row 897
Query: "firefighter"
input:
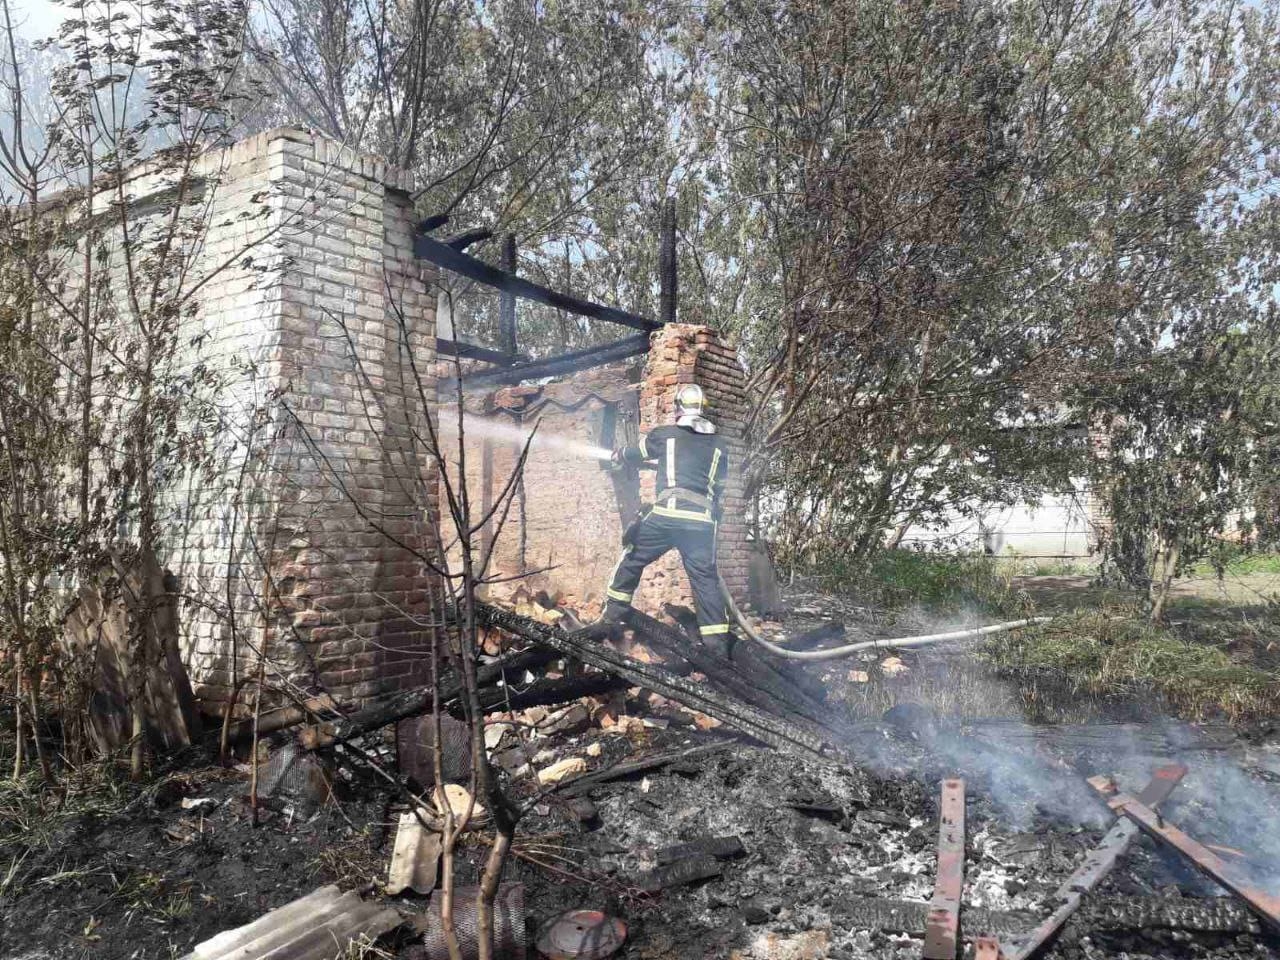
column 692, row 463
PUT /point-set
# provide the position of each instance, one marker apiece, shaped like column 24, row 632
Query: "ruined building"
column 329, row 325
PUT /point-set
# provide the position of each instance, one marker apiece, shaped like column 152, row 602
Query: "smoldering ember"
column 766, row 479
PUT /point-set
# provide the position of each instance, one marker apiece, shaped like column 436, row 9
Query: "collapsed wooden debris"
column 771, row 705
column 323, row 925
column 1112, row 915
column 784, row 732
column 1136, row 813
column 1097, row 864
column 1262, row 903
column 588, row 782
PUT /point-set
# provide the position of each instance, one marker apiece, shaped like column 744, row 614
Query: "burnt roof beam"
column 455, row 261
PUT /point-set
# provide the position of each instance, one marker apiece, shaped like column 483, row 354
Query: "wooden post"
column 507, row 303
column 667, row 275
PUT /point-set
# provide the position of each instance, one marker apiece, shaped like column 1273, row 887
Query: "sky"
column 37, row 19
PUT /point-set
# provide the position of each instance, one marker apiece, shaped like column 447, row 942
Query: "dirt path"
column 1074, row 591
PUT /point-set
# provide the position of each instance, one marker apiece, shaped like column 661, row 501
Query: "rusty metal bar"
column 987, row 948
column 1096, row 865
column 942, row 928
column 1265, row 905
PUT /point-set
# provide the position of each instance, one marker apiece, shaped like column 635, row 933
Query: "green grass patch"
column 1106, row 656
column 1234, row 562
column 893, row 579
column 1016, row 566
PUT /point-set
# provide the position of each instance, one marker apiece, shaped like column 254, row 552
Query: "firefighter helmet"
column 690, row 400
column 690, row 405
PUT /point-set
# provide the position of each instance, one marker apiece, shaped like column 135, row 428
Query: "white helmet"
column 689, row 400
column 690, row 403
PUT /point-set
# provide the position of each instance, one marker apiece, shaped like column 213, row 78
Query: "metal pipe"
column 835, row 653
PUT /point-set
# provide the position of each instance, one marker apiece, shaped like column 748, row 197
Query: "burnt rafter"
column 469, row 237
column 472, row 351
column 443, row 255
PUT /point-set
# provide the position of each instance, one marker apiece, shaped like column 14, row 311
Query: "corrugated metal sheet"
column 320, row 926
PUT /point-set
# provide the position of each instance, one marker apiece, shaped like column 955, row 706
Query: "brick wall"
column 318, row 403
column 690, row 353
column 566, row 534
column 564, row 526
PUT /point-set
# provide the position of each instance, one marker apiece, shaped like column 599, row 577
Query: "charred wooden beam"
column 722, row 848
column 412, row 702
column 564, row 363
column 471, row 351
column 433, row 222
column 678, row 874
column 507, row 303
column 442, row 255
column 585, row 784
column 465, row 239
column 791, row 734
column 748, row 676
column 1264, row 904
column 942, row 928
column 1119, row 915
column 282, row 718
column 1095, row 867
column 543, row 692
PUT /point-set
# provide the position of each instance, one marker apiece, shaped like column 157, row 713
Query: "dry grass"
column 1105, row 655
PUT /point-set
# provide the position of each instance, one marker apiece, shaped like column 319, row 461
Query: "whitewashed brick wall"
column 299, row 540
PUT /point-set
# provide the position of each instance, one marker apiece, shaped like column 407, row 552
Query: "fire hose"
column 835, row 653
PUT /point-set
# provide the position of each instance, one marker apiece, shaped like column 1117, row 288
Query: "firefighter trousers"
column 696, row 540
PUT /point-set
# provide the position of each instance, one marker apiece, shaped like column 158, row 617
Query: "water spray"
column 520, row 435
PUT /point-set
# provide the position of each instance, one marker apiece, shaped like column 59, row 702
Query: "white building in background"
column 1055, row 526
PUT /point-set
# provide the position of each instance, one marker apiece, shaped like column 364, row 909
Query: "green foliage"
column 1105, row 655
column 1233, row 560
column 1016, row 566
column 892, row 579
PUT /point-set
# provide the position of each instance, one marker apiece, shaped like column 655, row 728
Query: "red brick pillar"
column 691, row 353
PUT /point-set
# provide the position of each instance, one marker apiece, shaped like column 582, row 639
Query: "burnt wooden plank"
column 677, row 874
column 1264, row 904
column 790, row 733
column 722, row 848
column 1209, row 915
column 1097, row 864
column 942, row 928
column 588, row 782
column 473, row 351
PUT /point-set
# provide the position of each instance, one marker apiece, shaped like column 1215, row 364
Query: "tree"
column 936, row 226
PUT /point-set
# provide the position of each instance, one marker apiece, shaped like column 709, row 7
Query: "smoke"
column 1031, row 773
column 488, row 428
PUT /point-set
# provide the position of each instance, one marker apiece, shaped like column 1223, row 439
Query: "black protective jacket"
column 687, row 460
